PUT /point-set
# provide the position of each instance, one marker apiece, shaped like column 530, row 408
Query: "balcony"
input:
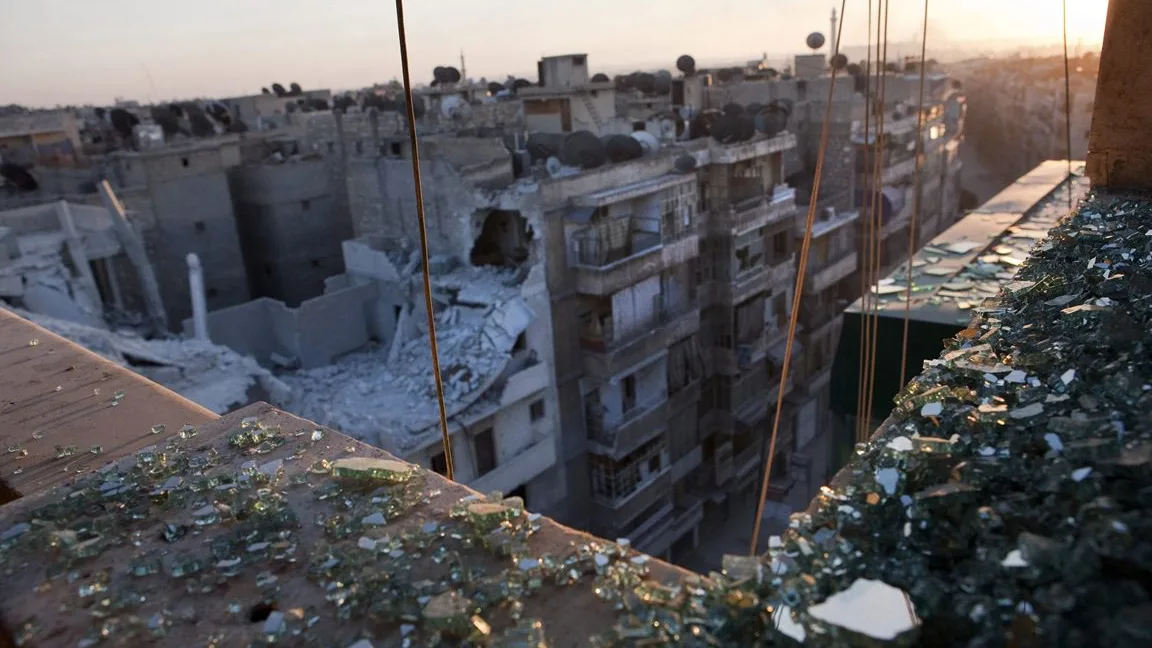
column 616, row 438
column 611, row 353
column 683, row 397
column 755, row 212
column 668, row 525
column 739, row 152
column 745, row 353
column 686, row 464
column 601, row 269
column 532, row 462
column 747, row 461
column 819, row 278
column 625, row 509
column 722, row 459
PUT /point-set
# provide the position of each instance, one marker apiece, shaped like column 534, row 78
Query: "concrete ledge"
column 570, row 614
column 55, row 393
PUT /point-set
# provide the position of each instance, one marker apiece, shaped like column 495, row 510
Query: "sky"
column 91, row 51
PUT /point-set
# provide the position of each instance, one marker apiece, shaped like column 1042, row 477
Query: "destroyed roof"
column 972, row 260
column 387, row 396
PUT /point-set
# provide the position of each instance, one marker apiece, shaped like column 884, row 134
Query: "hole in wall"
column 503, row 240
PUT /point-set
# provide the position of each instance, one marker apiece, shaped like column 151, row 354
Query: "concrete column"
column 199, row 304
column 1120, row 144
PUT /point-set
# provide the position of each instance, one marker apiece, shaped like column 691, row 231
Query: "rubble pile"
column 387, row 397
column 211, row 375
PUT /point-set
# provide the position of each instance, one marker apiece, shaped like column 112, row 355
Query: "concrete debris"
column 388, row 398
column 213, row 376
column 39, row 280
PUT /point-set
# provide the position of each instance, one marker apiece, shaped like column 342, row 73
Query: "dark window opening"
column 536, row 409
column 629, row 393
column 503, row 240
column 184, row 162
column 521, row 343
column 359, row 146
column 305, row 204
column 315, row 263
column 638, row 126
column 211, row 293
column 395, row 148
column 200, row 226
column 440, row 464
column 521, row 492
column 485, row 452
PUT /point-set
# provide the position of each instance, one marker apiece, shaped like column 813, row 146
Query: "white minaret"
column 832, row 36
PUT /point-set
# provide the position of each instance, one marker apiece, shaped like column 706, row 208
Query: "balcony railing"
column 627, row 507
column 758, row 211
column 619, row 436
column 663, row 310
column 593, row 247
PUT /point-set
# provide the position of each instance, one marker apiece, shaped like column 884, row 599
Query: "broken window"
column 503, row 240
column 485, row 452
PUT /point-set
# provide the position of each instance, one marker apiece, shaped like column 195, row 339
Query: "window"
column 780, row 244
column 440, row 463
column 395, row 148
column 184, row 162
column 485, row 452
column 629, row 393
column 536, row 409
column 305, row 204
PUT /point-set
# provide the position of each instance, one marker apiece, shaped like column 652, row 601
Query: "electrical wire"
column 918, row 204
column 868, row 401
column 866, row 250
column 798, row 291
column 871, row 300
column 445, row 438
column 1067, row 100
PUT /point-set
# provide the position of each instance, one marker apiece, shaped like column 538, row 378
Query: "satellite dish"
column 701, row 125
column 583, row 149
column 662, row 85
column 541, row 146
column 839, row 62
column 553, row 166
column 265, row 91
column 815, row 40
column 746, row 129
column 495, row 88
column 771, row 121
column 123, row 122
column 667, row 129
column 455, row 108
column 600, row 78
column 726, row 128
column 685, row 163
column 854, row 69
column 279, row 90
column 294, row 89
column 733, row 109
column 621, row 148
column 686, row 64
column 647, row 141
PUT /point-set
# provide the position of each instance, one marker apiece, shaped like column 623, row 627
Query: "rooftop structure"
column 952, row 278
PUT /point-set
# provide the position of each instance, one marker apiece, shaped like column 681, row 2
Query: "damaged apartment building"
column 657, row 275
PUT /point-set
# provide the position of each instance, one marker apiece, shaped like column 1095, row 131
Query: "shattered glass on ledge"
column 1005, row 502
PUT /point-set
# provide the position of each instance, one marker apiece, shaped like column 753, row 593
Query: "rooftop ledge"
column 1005, row 500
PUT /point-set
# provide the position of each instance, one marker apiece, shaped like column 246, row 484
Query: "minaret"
column 832, row 36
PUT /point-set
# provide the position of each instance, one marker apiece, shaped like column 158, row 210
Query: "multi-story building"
column 1019, row 116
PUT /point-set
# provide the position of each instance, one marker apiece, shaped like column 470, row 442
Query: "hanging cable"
column 798, row 290
column 866, row 250
column 917, row 204
column 445, row 438
column 1067, row 101
column 872, row 261
column 868, row 401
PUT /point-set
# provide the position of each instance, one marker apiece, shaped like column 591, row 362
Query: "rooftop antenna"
column 833, row 41
column 463, row 70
